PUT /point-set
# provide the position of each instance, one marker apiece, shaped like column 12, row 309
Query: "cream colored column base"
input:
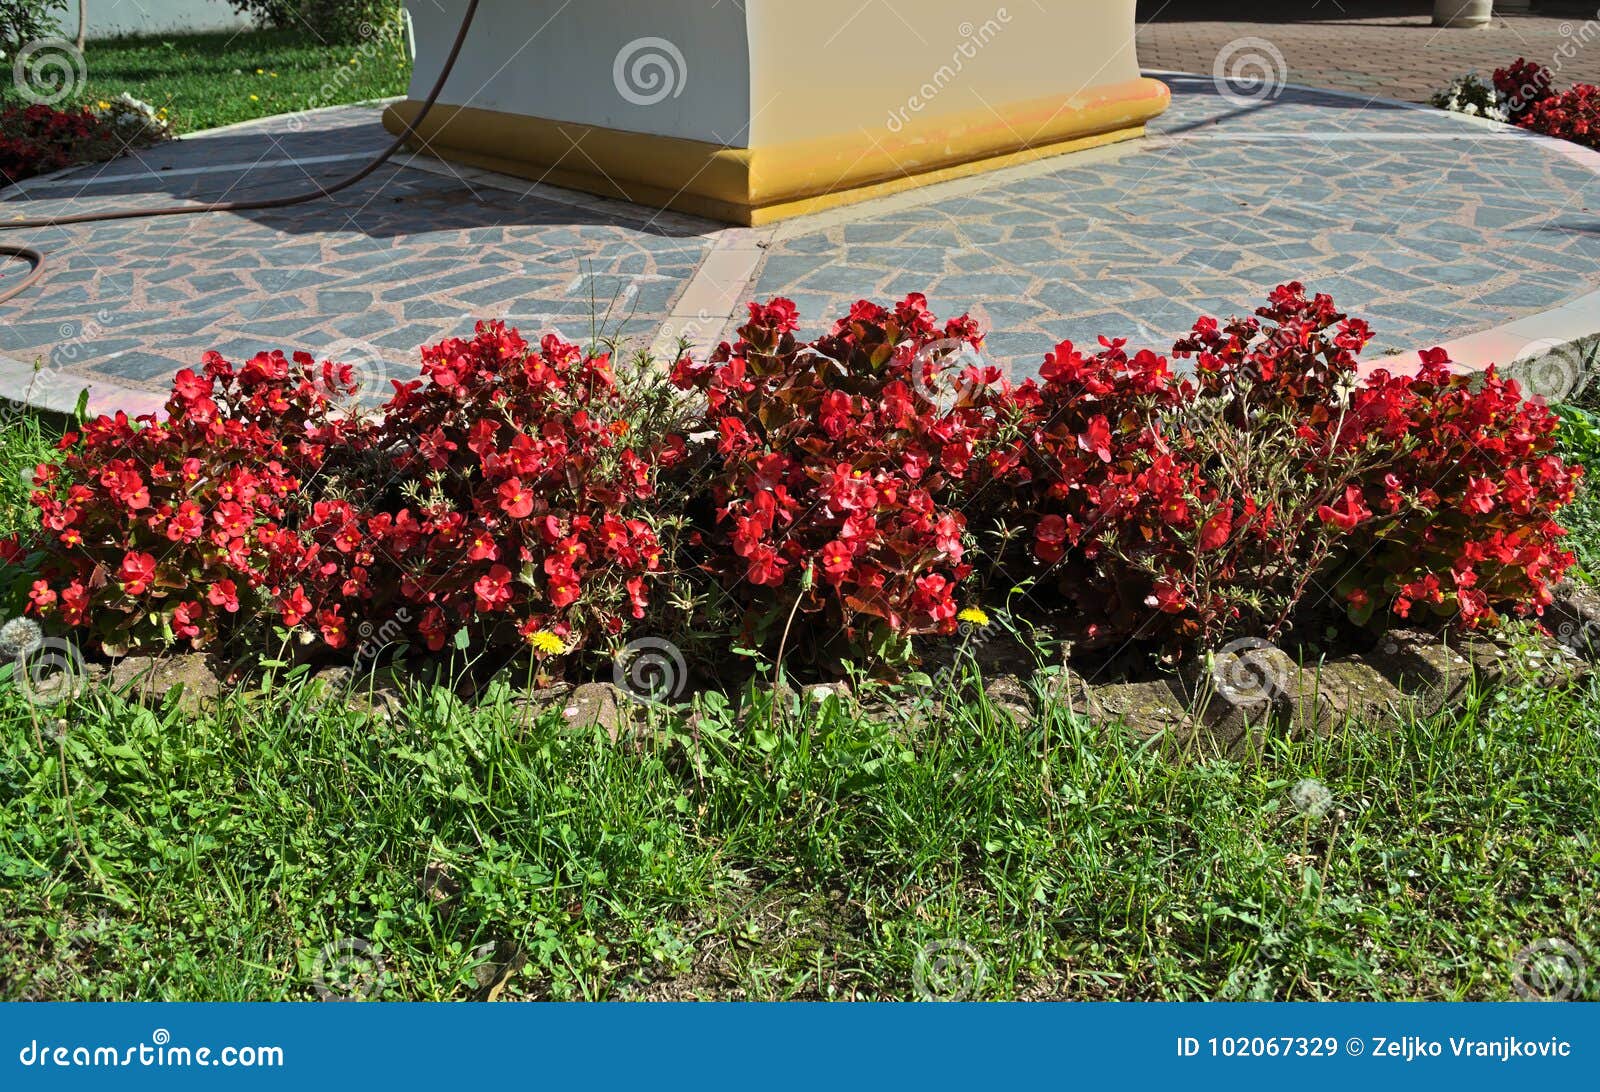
column 755, row 186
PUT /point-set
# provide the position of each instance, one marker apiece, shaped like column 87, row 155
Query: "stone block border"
column 1226, row 705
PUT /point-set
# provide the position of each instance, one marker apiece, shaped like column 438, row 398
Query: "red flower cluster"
column 1524, row 84
column 832, row 469
column 1189, row 510
column 1077, row 457
column 1535, row 104
column 185, row 530
column 512, row 492
column 38, row 139
column 1465, row 518
column 531, row 493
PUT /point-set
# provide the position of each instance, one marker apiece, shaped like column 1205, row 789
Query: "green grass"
column 1580, row 443
column 206, row 80
column 156, row 855
column 153, row 854
column 24, row 444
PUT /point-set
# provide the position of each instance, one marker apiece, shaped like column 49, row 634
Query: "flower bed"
column 830, row 499
column 38, row 139
column 1524, row 94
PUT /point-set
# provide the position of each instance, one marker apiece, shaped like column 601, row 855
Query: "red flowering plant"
column 519, row 506
column 198, row 528
column 1233, row 504
column 1532, row 102
column 829, row 469
column 1386, row 492
column 1271, row 436
column 1522, row 86
column 1463, row 521
column 37, row 139
column 1572, row 115
column 1075, row 464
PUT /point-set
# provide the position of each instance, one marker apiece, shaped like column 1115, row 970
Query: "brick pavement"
column 1388, row 50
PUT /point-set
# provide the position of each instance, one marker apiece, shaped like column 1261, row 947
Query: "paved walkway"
column 406, row 258
column 1388, row 49
column 1431, row 225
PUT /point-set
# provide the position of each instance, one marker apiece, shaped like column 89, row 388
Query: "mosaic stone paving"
column 404, row 259
column 1429, row 227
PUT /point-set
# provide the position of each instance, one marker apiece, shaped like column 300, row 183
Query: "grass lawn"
column 154, row 855
column 206, row 80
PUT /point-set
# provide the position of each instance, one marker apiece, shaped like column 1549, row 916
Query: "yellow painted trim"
column 755, row 186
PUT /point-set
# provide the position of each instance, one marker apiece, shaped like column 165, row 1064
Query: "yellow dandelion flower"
column 975, row 615
column 255, row 98
column 548, row 643
column 261, row 71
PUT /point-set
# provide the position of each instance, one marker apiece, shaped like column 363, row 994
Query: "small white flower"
column 19, row 637
column 1311, row 798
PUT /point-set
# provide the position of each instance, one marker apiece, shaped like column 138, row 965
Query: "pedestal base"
column 759, row 185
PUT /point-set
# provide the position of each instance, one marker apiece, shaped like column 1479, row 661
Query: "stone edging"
column 1225, row 706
